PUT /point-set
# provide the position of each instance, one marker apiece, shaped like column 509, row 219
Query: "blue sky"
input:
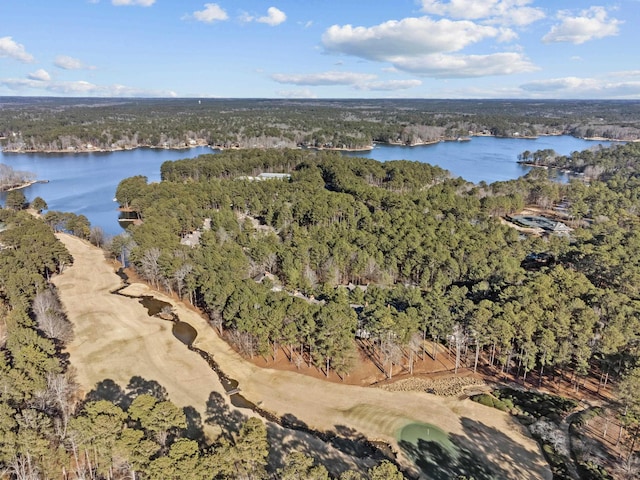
column 321, row 48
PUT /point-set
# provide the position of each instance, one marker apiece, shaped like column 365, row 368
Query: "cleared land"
column 117, row 340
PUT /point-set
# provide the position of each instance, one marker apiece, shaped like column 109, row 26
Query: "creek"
column 186, row 334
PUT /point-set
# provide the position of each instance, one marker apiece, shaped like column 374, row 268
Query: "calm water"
column 483, row 158
column 86, row 183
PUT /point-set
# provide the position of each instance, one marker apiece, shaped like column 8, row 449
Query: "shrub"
column 536, row 404
column 591, row 471
column 490, row 401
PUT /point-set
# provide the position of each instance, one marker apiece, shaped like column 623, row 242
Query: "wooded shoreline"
column 22, row 185
column 333, row 149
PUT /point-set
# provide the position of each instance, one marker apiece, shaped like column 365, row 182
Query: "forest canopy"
column 69, row 125
column 353, row 247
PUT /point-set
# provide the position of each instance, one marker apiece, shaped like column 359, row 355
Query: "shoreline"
column 335, row 149
column 99, row 150
column 22, row 185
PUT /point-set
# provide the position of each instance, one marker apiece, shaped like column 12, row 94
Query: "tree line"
column 69, row 125
column 49, row 430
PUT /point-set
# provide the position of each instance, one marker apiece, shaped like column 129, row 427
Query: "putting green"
column 413, row 433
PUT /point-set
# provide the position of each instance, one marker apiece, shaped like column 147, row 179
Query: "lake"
column 488, row 159
column 85, row 183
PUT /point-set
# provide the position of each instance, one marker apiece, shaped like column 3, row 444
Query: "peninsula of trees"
column 78, row 125
column 11, row 179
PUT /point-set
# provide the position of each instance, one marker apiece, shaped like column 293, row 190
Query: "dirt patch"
column 116, row 339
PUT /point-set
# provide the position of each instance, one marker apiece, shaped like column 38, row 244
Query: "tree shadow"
column 293, row 435
column 352, row 442
column 63, row 357
column 194, row 430
column 139, row 386
column 218, row 413
column 291, row 421
column 483, row 453
column 107, row 390
column 438, row 463
column 503, row 455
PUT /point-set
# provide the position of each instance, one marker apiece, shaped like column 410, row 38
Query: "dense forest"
column 349, row 251
column 51, row 124
column 334, row 257
column 47, row 430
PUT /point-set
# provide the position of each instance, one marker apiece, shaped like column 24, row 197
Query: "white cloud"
column 324, row 78
column 141, row 3
column 626, row 73
column 576, row 87
column 504, row 12
column 591, row 24
column 69, row 63
column 274, row 17
column 390, row 85
column 407, row 37
column 557, row 84
column 212, row 13
column 79, row 87
column 305, row 93
column 40, row 75
column 426, row 47
column 10, row 48
column 465, row 66
column 359, row 81
column 472, row 91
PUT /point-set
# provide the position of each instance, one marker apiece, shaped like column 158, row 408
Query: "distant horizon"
column 329, row 49
column 338, row 99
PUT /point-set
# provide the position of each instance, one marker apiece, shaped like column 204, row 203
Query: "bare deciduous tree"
column 215, row 320
column 96, row 236
column 149, row 266
column 391, row 353
column 458, row 338
column 244, row 342
column 62, row 392
column 179, row 275
column 51, row 317
column 23, row 468
column 415, row 345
